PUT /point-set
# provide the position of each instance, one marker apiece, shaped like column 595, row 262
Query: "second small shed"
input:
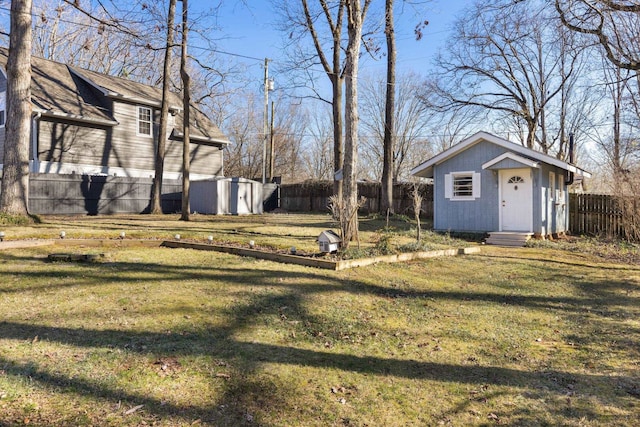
column 226, row 196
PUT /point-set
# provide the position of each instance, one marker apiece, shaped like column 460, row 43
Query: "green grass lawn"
column 169, row 337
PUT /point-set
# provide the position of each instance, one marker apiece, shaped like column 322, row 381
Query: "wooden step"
column 503, row 238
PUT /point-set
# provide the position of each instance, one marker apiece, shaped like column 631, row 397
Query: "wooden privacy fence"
column 601, row 214
column 97, row 194
column 314, row 197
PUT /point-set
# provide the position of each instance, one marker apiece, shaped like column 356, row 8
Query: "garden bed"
column 318, row 260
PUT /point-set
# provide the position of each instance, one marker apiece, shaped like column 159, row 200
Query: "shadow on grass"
column 293, row 287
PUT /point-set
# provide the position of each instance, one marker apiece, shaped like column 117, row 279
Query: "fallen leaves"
column 168, row 365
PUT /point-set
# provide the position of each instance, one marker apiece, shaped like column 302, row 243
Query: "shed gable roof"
column 510, row 161
column 425, row 170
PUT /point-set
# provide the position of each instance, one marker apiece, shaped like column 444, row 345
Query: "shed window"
column 144, row 121
column 462, row 185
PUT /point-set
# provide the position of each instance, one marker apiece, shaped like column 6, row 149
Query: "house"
column 486, row 184
column 88, row 123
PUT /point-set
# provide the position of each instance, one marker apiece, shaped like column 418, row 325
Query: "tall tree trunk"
column 386, row 204
column 156, row 195
column 338, row 154
column 186, row 102
column 333, row 69
column 14, row 199
column 350, row 167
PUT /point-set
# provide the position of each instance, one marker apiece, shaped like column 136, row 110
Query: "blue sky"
column 252, row 31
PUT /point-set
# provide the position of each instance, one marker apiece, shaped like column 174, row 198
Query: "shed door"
column 516, row 200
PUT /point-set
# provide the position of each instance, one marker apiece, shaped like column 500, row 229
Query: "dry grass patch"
column 176, row 337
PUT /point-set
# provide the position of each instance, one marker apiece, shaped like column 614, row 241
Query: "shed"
column 224, row 196
column 329, row 241
column 486, row 184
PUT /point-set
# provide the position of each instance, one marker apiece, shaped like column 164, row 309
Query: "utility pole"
column 266, row 119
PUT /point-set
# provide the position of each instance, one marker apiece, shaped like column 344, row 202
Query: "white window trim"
column 552, row 186
column 3, row 107
column 475, row 186
column 560, row 190
column 138, row 121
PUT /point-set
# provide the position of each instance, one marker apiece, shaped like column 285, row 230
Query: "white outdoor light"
column 177, row 237
column 252, row 244
column 1, row 236
column 210, row 239
column 62, row 234
column 122, row 235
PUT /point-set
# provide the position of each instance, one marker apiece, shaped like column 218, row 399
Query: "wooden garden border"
column 254, row 253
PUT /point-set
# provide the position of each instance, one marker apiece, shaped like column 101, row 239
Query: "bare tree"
column 317, row 154
column 156, row 195
column 14, row 198
column 321, row 19
column 288, row 132
column 612, row 23
column 386, row 203
column 356, row 12
column 503, row 58
column 411, row 125
column 186, row 106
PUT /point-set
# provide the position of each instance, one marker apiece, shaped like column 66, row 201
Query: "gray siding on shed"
column 554, row 212
column 482, row 214
column 479, row 215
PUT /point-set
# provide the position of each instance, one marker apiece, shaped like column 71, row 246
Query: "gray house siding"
column 68, row 142
column 129, row 149
column 87, row 123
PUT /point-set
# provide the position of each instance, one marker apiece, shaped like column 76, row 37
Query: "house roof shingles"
column 55, row 91
column 59, row 90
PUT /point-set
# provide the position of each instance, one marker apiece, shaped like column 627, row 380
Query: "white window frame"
column 3, row 108
column 449, row 185
column 139, row 121
column 552, row 186
column 561, row 188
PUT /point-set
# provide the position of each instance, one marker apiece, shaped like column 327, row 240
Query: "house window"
column 462, row 185
column 552, row 185
column 144, row 121
column 2, row 108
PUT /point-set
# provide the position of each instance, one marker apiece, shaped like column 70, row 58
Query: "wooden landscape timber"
column 319, row 262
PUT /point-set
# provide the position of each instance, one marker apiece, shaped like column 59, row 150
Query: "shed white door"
column 516, row 200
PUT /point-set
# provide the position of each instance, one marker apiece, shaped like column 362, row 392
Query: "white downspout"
column 35, row 162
